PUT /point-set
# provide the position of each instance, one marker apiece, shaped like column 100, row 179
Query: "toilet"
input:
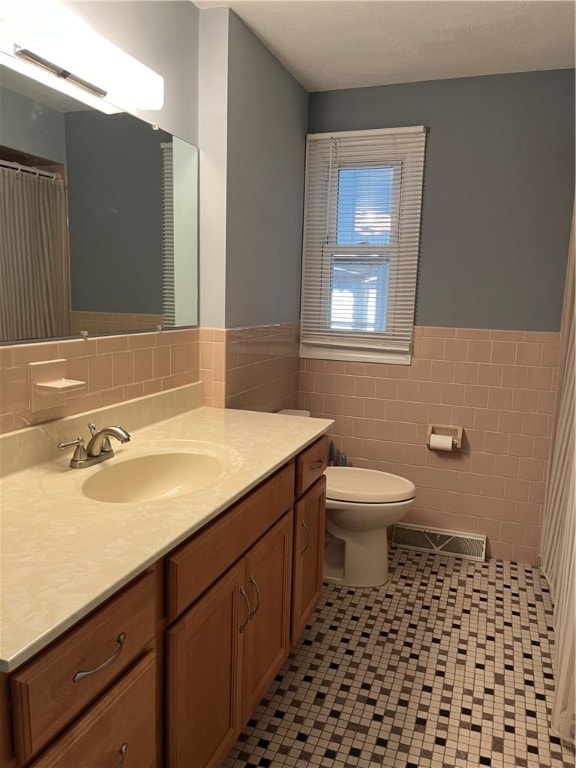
column 360, row 505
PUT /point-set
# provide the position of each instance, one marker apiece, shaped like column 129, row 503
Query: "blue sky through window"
column 359, row 282
column 365, row 205
column 359, row 295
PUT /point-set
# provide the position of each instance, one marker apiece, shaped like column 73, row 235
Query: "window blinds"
column 168, row 285
column 361, row 241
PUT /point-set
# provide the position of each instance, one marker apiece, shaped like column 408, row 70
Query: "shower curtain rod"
column 17, row 167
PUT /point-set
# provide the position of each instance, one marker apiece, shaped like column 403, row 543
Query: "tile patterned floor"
column 449, row 666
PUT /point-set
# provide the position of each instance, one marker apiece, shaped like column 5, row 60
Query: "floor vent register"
column 470, row 546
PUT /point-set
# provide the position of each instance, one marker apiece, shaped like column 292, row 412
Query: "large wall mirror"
column 98, row 219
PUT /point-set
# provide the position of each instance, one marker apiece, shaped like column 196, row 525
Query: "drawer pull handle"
column 307, row 538
column 255, row 611
column 318, row 464
column 122, row 751
column 249, row 616
column 81, row 675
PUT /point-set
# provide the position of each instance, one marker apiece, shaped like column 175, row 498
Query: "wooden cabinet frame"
column 308, row 559
column 203, row 676
column 223, row 653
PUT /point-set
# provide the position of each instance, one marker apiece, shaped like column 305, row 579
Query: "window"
column 361, row 238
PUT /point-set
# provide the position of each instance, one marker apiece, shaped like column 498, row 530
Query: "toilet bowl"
column 360, row 505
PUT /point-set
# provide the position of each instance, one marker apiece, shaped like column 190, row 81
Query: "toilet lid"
column 367, row 485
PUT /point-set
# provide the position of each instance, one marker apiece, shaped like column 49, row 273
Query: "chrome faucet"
column 100, row 443
column 98, row 448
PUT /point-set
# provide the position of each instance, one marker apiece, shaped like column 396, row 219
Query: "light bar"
column 49, row 43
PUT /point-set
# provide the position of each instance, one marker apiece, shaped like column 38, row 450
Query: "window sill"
column 320, row 352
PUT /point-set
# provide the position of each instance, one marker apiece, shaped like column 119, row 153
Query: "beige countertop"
column 62, row 554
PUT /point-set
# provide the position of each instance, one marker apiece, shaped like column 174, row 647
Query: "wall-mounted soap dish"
column 49, row 386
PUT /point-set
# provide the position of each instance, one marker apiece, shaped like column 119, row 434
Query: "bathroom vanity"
column 165, row 661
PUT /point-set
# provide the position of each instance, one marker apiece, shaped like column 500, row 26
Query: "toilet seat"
column 367, row 486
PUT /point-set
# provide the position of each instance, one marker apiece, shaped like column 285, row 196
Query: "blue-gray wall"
column 267, row 118
column 115, row 212
column 498, row 190
column 31, row 127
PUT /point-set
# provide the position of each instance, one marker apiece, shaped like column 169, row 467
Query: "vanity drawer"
column 311, row 464
column 45, row 693
column 119, row 730
column 197, row 564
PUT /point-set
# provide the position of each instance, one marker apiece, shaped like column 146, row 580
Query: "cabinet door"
column 118, row 730
column 267, row 581
column 203, row 676
column 309, row 525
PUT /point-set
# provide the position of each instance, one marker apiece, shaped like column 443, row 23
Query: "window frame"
column 322, row 341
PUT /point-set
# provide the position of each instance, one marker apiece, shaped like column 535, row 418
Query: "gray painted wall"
column 115, row 212
column 252, row 129
column 31, row 127
column 267, row 118
column 498, row 190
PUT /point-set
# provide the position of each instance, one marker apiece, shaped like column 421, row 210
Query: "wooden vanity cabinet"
column 178, row 660
column 199, row 562
column 119, row 730
column 56, row 686
column 309, row 533
column 204, row 675
column 223, row 653
column 311, row 464
column 268, row 583
column 308, row 558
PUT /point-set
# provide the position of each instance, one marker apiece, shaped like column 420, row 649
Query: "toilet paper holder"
column 446, row 430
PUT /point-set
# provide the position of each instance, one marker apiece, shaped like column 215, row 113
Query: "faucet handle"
column 106, row 446
column 80, row 452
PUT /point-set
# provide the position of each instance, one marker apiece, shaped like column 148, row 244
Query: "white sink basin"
column 153, row 477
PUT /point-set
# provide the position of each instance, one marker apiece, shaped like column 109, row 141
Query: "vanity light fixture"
column 47, row 75
column 52, row 45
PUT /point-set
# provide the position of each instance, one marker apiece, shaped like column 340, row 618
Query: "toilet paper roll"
column 441, row 442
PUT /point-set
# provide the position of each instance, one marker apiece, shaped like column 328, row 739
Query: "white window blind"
column 168, row 284
column 361, row 243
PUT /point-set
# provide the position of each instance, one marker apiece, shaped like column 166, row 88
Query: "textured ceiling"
column 332, row 44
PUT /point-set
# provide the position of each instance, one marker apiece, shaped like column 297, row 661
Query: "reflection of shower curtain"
column 34, row 257
column 559, row 531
